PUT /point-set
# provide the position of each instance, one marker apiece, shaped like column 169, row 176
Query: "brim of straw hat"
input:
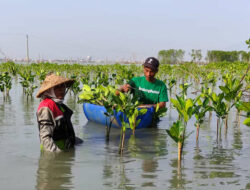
column 52, row 81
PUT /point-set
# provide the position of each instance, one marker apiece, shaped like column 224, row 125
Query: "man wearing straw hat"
column 55, row 128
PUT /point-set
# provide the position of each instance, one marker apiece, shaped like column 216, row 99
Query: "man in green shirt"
column 150, row 90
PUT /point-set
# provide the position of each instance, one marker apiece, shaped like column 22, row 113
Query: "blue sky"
column 121, row 30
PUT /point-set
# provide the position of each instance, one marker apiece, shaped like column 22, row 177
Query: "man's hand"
column 125, row 88
column 146, row 105
column 161, row 105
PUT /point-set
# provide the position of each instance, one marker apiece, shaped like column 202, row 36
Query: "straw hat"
column 51, row 81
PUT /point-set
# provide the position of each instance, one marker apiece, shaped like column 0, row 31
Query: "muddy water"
column 149, row 160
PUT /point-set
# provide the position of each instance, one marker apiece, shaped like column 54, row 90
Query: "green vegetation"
column 115, row 102
column 173, row 56
column 217, row 87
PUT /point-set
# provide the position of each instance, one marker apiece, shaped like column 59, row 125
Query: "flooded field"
column 149, row 160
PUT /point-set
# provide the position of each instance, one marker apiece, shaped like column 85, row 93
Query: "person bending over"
column 150, row 90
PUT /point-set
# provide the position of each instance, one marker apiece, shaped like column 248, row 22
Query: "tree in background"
column 196, row 55
column 220, row 56
column 171, row 56
column 244, row 56
column 248, row 42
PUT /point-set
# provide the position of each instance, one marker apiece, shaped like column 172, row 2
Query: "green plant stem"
column 122, row 142
column 226, row 123
column 217, row 131
column 179, row 150
column 197, row 132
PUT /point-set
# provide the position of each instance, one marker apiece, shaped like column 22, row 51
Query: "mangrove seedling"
column 185, row 110
column 232, row 92
column 171, row 84
column 219, row 107
column 184, row 87
column 177, row 133
column 75, row 86
column 245, row 106
column 27, row 81
column 5, row 83
column 200, row 110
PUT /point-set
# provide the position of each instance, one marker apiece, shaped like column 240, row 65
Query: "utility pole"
column 27, row 46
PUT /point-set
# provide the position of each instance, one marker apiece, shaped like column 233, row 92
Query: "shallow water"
column 149, row 160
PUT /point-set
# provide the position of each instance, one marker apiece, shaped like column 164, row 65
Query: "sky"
column 119, row 29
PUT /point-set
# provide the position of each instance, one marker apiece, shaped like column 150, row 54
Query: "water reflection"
column 237, row 141
column 28, row 109
column 148, row 145
column 54, row 170
column 149, row 167
column 178, row 179
column 145, row 148
column 7, row 116
column 73, row 105
column 219, row 164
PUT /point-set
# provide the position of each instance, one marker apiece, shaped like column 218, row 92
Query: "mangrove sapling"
column 177, row 133
column 159, row 112
column 200, row 112
column 220, row 108
column 245, row 106
column 185, row 109
column 170, row 85
column 5, row 84
column 85, row 79
column 102, row 79
column 232, row 92
column 27, row 82
column 184, row 87
column 101, row 96
column 75, row 86
column 11, row 67
column 125, row 103
column 2, row 87
column 41, row 75
column 206, row 92
column 128, row 105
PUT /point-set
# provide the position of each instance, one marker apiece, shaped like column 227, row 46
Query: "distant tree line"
column 171, row 56
column 230, row 56
column 174, row 56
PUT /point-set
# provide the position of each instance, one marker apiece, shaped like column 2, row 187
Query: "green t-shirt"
column 149, row 92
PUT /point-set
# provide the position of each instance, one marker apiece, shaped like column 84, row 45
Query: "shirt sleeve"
column 46, row 123
column 163, row 94
column 132, row 82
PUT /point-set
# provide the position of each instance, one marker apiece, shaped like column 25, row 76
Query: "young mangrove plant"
column 27, row 82
column 159, row 113
column 125, row 105
column 41, row 73
column 185, row 109
column 177, row 133
column 100, row 96
column 75, row 86
column 220, row 108
column 5, row 83
column 232, row 92
column 170, row 85
column 245, row 106
column 184, row 87
column 200, row 109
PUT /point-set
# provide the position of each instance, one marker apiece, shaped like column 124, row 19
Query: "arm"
column 46, row 128
column 161, row 105
column 125, row 88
